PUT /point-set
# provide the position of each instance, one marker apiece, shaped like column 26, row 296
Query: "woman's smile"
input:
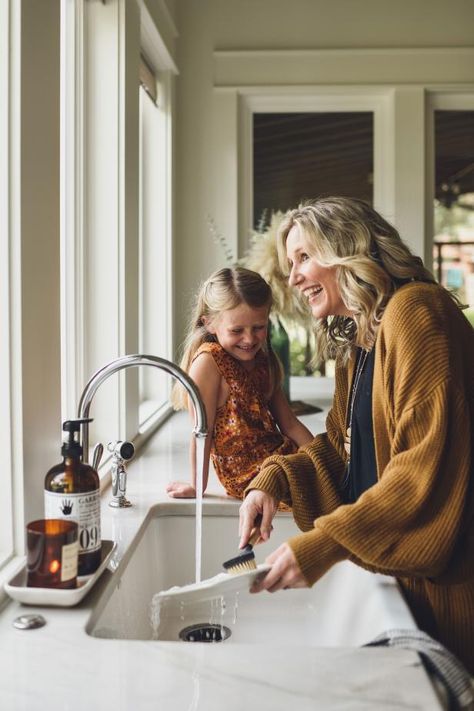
column 317, row 284
column 312, row 293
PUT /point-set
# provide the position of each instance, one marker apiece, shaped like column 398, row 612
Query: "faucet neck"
column 130, row 361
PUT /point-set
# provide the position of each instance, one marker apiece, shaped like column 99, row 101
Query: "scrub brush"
column 246, row 560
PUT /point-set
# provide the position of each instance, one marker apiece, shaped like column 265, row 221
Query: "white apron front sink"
column 347, row 607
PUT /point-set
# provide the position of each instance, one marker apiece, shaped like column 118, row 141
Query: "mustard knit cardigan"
column 417, row 521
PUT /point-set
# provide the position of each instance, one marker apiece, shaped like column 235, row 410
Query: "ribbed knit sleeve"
column 292, row 479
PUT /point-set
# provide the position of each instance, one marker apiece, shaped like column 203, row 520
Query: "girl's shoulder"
column 212, row 347
column 222, row 359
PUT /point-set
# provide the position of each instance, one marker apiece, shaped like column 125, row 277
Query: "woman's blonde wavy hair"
column 372, row 262
column 224, row 290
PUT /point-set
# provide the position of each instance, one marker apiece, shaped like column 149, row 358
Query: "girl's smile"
column 241, row 331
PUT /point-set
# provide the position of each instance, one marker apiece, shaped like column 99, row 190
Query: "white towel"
column 438, row 660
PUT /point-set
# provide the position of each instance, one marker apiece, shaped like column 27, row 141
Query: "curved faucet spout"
column 130, row 361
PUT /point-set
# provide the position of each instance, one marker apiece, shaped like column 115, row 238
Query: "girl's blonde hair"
column 372, row 262
column 224, row 290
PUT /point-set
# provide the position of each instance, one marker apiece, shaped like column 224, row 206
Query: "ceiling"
column 300, row 156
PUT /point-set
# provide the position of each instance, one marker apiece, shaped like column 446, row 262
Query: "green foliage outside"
column 297, row 357
column 298, row 364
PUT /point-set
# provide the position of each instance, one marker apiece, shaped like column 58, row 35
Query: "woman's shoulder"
column 427, row 303
column 422, row 313
column 420, row 292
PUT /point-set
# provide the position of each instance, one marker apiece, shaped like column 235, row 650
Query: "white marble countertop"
column 61, row 667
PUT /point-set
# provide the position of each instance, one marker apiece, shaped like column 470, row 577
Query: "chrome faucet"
column 130, row 361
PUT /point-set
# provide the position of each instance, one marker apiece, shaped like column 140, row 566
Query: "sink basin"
column 347, row 607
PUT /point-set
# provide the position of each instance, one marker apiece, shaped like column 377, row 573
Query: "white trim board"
column 442, row 65
column 155, row 47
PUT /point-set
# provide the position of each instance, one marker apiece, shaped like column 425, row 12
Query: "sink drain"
column 205, row 632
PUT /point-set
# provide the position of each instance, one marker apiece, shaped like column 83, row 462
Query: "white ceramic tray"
column 17, row 589
column 214, row 587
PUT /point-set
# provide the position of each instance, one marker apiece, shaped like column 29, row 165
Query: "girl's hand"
column 285, row 572
column 181, row 490
column 258, row 509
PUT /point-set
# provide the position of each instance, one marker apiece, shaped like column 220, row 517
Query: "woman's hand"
column 285, row 572
column 258, row 509
column 181, row 490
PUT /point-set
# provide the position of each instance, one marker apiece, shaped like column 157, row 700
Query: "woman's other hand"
column 181, row 490
column 285, row 572
column 258, row 509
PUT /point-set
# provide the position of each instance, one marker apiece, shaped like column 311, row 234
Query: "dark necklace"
column 355, row 384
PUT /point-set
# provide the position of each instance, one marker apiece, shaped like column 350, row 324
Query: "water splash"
column 169, row 616
column 235, row 608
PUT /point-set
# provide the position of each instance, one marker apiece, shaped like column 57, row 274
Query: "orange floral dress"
column 245, row 432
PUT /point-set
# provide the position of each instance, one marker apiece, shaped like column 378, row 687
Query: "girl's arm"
column 206, row 376
column 286, row 419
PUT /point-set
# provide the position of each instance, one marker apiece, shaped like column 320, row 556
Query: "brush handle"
column 254, row 536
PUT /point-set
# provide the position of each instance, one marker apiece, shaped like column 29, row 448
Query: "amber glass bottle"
column 71, row 491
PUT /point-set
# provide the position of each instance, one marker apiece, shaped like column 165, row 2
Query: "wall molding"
column 432, row 66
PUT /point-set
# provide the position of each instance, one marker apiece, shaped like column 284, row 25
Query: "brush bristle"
column 240, row 564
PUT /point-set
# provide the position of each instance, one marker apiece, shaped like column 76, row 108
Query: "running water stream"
column 200, row 444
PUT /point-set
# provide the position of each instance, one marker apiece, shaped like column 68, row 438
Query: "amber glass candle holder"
column 52, row 551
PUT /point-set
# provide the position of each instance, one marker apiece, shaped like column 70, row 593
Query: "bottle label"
column 69, row 561
column 83, row 508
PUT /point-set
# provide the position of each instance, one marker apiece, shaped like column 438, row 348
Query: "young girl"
column 228, row 355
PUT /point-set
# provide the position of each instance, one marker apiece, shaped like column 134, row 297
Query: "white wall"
column 207, row 130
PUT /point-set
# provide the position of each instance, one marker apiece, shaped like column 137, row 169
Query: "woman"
column 389, row 485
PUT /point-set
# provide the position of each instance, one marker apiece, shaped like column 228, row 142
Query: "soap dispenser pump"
column 72, row 491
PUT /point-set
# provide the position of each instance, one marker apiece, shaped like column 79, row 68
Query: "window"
column 116, row 225
column 154, row 251
column 299, row 156
column 71, row 289
column 453, row 249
